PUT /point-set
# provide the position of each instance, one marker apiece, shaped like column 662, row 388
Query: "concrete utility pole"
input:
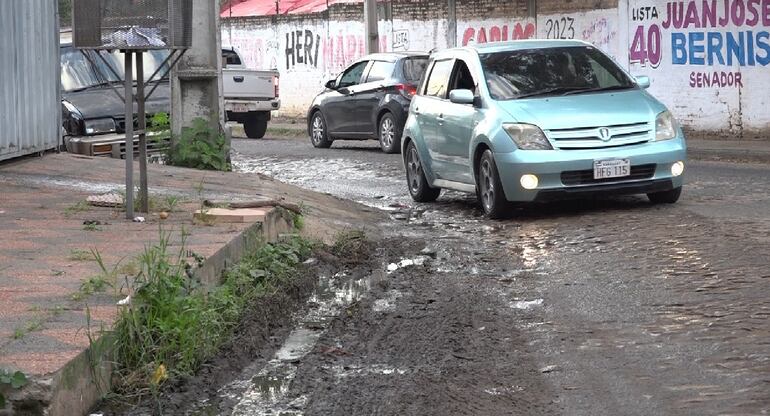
column 195, row 81
column 451, row 32
column 370, row 26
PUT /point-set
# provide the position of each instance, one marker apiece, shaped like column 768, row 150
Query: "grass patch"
column 172, row 324
column 81, row 255
column 37, row 323
column 349, row 242
column 80, row 206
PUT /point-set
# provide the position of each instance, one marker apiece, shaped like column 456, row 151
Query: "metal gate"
column 30, row 107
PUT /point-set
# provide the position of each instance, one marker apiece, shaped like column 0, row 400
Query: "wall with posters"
column 709, row 60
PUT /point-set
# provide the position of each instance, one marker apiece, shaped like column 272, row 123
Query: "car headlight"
column 527, row 136
column 100, row 126
column 666, row 126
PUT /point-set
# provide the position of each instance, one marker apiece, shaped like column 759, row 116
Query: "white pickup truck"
column 249, row 95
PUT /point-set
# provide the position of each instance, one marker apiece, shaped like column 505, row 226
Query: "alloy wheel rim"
column 487, row 185
column 414, row 170
column 386, row 132
column 318, row 130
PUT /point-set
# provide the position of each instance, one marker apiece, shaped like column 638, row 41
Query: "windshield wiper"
column 555, row 90
column 610, row 88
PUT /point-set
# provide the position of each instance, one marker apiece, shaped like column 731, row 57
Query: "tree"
column 65, row 13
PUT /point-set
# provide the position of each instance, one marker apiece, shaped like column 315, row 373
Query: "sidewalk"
column 45, row 254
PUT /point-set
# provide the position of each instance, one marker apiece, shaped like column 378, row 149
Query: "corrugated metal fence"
column 30, row 108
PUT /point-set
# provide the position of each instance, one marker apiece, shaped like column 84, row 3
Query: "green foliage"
column 173, row 324
column 8, row 379
column 65, row 13
column 199, row 147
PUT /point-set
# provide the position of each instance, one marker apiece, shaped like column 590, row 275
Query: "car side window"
column 353, row 75
column 380, row 70
column 462, row 79
column 230, row 57
column 438, row 80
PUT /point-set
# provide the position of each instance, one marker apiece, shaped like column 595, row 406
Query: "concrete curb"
column 76, row 387
column 729, row 155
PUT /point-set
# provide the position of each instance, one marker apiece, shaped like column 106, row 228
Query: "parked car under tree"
column 368, row 100
column 538, row 120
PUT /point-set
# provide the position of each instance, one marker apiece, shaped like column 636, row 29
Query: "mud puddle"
column 265, row 390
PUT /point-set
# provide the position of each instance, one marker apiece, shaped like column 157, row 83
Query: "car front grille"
column 591, row 137
column 586, row 177
column 154, row 146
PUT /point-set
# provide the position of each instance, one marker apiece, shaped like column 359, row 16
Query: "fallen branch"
column 255, row 204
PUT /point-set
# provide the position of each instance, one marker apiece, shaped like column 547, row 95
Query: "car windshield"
column 551, row 71
column 78, row 72
column 414, row 68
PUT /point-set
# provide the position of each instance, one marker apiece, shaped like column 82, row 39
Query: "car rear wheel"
column 255, row 128
column 318, row 134
column 490, row 189
column 389, row 133
column 665, row 197
column 415, row 177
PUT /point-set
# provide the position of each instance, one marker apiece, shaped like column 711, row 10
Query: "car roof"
column 392, row 56
column 513, row 45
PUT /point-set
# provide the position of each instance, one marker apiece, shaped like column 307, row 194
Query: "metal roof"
column 249, row 8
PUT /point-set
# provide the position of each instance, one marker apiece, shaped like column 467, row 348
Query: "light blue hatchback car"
column 538, row 120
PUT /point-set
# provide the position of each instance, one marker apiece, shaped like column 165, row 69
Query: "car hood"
column 584, row 110
column 102, row 102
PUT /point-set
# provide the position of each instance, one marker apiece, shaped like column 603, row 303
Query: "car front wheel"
column 490, row 189
column 665, row 197
column 415, row 177
column 318, row 134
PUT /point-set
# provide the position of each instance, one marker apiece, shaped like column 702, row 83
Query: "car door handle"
column 238, row 79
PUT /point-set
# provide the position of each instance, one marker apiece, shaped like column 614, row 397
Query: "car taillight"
column 275, row 83
column 406, row 90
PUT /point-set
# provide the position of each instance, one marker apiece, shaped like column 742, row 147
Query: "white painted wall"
column 683, row 57
column 735, row 109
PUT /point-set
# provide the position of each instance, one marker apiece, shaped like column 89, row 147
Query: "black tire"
column 418, row 185
column 489, row 189
column 665, row 197
column 319, row 136
column 255, row 128
column 389, row 133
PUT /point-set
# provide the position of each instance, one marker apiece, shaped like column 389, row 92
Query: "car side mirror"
column 462, row 97
column 643, row 81
column 331, row 84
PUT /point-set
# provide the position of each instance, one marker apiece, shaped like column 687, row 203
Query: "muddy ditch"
column 251, row 369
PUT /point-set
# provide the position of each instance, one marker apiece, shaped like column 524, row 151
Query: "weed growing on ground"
column 91, row 227
column 199, row 147
column 349, row 242
column 172, row 324
column 12, row 380
column 99, row 283
column 79, row 206
column 80, row 255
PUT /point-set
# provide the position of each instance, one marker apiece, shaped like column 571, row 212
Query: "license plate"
column 240, row 108
column 612, row 168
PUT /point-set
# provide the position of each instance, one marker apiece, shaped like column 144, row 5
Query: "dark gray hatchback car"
column 368, row 100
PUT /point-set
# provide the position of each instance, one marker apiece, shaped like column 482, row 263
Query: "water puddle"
column 417, row 261
column 526, row 304
column 265, row 391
